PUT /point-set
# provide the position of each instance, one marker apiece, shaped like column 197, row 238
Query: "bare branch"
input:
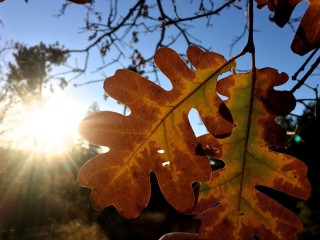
column 238, row 38
column 89, row 82
column 217, row 11
column 294, row 77
column 306, row 76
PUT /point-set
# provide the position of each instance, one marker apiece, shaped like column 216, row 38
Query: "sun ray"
column 49, row 127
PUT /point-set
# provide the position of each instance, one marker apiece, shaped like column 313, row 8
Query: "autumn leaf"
column 229, row 205
column 157, row 135
column 307, row 36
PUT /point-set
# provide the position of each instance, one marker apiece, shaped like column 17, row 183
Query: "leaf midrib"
column 179, row 104
column 247, row 134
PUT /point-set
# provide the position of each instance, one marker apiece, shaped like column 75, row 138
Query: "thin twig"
column 227, row 4
column 305, row 77
column 294, row 77
column 86, row 83
column 238, row 38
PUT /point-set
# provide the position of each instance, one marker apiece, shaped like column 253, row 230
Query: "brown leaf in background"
column 307, row 36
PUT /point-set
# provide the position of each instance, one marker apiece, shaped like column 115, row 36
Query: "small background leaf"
column 308, row 35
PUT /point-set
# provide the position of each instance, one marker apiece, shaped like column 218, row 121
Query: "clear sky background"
column 36, row 22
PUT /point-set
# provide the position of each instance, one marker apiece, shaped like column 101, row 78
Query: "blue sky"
column 34, row 22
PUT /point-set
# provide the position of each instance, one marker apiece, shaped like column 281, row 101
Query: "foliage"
column 158, row 137
column 155, row 125
column 25, row 79
column 308, row 128
column 250, row 163
column 28, row 75
column 307, row 37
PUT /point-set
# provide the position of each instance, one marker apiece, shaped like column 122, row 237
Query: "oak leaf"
column 229, row 204
column 157, row 135
column 308, row 35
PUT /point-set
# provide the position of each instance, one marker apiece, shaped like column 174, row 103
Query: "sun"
column 51, row 127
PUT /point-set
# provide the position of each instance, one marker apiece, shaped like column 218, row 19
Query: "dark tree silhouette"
column 30, row 72
column 304, row 144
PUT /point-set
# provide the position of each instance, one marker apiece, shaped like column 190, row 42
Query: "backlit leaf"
column 157, row 135
column 308, row 34
column 229, row 205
